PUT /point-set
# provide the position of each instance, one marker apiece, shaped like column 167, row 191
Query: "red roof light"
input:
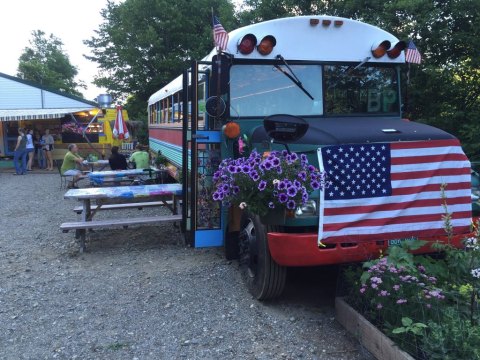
column 247, row 44
column 266, row 45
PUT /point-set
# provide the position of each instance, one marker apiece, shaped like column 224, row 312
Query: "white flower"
column 242, row 205
column 476, row 273
column 472, row 243
column 275, row 181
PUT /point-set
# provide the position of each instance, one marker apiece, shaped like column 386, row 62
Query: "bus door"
column 202, row 216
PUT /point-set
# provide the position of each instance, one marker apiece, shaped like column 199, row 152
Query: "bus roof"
column 309, row 38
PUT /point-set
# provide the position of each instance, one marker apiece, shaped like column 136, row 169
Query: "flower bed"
column 428, row 306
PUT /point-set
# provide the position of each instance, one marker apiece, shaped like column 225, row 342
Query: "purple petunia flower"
column 216, row 196
column 281, row 185
column 282, row 198
column 276, row 162
column 292, row 191
column 267, row 164
column 235, row 190
column 271, row 205
column 291, row 204
column 262, row 185
column 302, row 175
column 315, row 185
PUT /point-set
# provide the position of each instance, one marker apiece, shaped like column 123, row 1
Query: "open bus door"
column 202, row 216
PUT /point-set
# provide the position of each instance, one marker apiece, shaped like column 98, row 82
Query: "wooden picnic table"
column 167, row 194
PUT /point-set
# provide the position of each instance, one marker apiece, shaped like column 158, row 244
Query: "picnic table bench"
column 121, row 197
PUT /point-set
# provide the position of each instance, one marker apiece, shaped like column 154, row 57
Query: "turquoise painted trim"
column 208, row 238
column 172, row 152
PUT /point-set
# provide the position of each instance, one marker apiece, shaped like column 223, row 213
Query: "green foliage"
column 409, row 327
column 45, row 62
column 429, row 306
column 452, row 339
column 144, row 44
column 160, row 159
column 443, row 91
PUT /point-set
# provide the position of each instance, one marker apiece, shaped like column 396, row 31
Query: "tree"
column 444, row 90
column 144, row 44
column 46, row 63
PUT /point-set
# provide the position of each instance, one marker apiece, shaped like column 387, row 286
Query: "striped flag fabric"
column 220, row 36
column 389, row 191
column 412, row 55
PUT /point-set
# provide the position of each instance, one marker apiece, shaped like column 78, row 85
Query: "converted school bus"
column 341, row 77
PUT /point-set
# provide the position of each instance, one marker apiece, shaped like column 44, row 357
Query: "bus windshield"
column 262, row 90
column 351, row 90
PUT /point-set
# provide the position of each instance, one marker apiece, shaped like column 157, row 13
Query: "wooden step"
column 65, row 227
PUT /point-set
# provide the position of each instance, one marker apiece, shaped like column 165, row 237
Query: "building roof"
column 25, row 100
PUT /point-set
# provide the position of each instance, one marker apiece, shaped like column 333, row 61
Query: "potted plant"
column 267, row 185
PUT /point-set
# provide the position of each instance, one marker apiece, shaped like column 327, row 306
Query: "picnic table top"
column 120, row 173
column 124, row 192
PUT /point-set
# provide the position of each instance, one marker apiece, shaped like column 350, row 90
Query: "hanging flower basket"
column 267, row 185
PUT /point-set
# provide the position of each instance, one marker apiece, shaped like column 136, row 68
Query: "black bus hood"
column 355, row 130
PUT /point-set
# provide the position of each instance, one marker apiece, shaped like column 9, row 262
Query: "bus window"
column 262, row 90
column 363, row 90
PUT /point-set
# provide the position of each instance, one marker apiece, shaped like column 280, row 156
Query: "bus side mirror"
column 285, row 128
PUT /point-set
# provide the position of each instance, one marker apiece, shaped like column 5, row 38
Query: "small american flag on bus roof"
column 220, row 36
column 384, row 191
column 412, row 55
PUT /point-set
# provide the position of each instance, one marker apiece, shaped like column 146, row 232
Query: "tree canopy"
column 46, row 63
column 143, row 44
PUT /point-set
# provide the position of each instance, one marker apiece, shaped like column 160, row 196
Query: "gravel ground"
column 141, row 294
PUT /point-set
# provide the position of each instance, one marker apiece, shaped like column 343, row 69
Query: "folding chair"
column 63, row 178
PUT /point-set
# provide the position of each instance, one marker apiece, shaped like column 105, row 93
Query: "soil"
column 140, row 293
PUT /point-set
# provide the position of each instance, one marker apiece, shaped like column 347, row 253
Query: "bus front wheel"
column 265, row 279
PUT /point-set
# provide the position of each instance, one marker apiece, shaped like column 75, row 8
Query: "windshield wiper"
column 292, row 76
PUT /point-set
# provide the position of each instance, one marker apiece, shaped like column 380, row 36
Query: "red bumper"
column 302, row 249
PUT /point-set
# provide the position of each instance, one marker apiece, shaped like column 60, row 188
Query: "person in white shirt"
column 30, row 149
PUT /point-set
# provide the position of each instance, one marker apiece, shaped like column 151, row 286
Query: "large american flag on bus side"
column 382, row 191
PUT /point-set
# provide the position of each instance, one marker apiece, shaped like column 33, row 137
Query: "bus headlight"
column 308, row 209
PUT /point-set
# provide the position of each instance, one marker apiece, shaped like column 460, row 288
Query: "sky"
column 72, row 21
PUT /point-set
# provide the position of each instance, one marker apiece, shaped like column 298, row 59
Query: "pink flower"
column 396, row 287
column 401, row 301
column 379, row 306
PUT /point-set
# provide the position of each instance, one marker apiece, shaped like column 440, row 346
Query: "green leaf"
column 406, row 321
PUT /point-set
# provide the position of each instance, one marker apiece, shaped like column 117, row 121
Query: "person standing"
column 37, row 141
column 140, row 157
column 20, row 154
column 30, row 149
column 48, row 148
column 69, row 166
column 117, row 161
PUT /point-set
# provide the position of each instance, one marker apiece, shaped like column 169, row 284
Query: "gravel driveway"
column 141, row 294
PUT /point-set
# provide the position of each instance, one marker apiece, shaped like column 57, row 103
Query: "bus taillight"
column 379, row 50
column 266, row 45
column 247, row 44
column 396, row 50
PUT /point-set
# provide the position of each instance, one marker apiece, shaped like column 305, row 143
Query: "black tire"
column 232, row 250
column 265, row 279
